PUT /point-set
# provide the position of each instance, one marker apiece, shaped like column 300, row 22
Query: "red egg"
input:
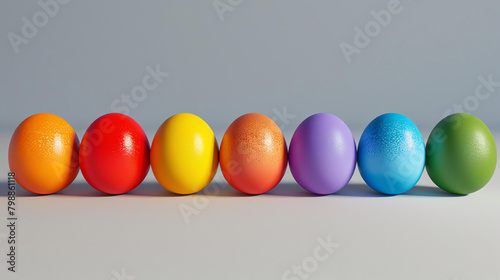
column 114, row 154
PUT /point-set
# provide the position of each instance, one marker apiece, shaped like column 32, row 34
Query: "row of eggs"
column 45, row 154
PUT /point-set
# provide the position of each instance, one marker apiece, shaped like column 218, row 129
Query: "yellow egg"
column 43, row 153
column 184, row 154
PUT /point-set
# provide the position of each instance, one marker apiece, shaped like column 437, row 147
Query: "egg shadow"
column 295, row 190
column 223, row 189
column 359, row 190
column 364, row 190
column 213, row 189
column 82, row 189
column 152, row 189
column 430, row 191
column 291, row 189
column 144, row 189
column 75, row 189
column 20, row 191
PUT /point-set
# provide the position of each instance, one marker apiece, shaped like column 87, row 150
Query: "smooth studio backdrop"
column 248, row 56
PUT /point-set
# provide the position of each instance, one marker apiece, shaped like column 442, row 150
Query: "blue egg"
column 391, row 154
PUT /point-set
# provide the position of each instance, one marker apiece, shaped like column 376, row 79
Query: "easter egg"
column 253, row 154
column 43, row 154
column 322, row 154
column 184, row 154
column 114, row 154
column 391, row 154
column 461, row 154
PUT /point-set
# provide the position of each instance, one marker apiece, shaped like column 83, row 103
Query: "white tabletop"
column 425, row 233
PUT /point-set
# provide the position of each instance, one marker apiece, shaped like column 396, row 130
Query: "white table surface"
column 425, row 233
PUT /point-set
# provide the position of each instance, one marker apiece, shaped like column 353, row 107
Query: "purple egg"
column 322, row 154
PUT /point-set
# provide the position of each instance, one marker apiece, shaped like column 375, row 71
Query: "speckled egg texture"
column 253, row 154
column 391, row 154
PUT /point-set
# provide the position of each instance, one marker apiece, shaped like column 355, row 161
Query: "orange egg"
column 253, row 154
column 43, row 153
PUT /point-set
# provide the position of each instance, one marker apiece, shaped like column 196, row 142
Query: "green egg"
column 461, row 154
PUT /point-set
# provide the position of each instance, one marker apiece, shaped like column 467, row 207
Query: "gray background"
column 266, row 57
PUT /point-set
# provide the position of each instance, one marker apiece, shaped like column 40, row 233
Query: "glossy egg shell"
column 391, row 154
column 322, row 154
column 253, row 154
column 461, row 154
column 184, row 154
column 114, row 154
column 43, row 154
